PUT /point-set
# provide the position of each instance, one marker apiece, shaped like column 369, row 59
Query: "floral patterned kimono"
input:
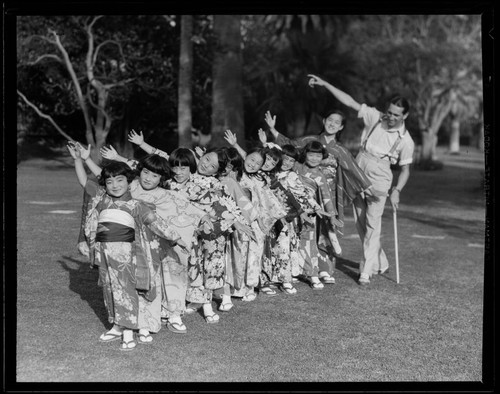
column 316, row 259
column 171, row 279
column 124, row 238
column 270, row 210
column 238, row 243
column 291, row 181
column 207, row 263
column 345, row 179
column 282, row 239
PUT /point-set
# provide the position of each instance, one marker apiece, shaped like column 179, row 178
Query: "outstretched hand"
column 231, row 138
column 135, row 138
column 84, row 152
column 315, row 80
column 270, row 120
column 109, row 153
column 73, row 150
column 262, row 136
column 199, row 151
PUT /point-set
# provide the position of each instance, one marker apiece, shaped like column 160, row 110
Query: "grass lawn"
column 427, row 328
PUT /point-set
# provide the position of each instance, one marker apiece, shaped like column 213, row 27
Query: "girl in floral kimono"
column 208, row 259
column 277, row 257
column 269, row 210
column 238, row 243
column 316, row 260
column 184, row 217
column 121, row 233
column 202, row 188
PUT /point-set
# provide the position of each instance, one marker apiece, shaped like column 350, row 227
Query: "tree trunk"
column 455, row 136
column 184, row 115
column 429, row 142
column 227, row 94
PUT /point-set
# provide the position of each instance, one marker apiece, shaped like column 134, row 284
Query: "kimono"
column 291, row 181
column 346, row 180
column 124, row 236
column 238, row 243
column 269, row 209
column 172, row 277
column 316, row 259
column 282, row 238
column 207, row 263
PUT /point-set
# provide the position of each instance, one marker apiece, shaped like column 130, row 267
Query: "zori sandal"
column 212, row 319
column 268, row 291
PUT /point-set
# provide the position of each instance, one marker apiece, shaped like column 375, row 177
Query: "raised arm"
column 232, row 140
column 271, row 122
column 343, row 97
column 80, row 170
column 85, row 155
column 138, row 139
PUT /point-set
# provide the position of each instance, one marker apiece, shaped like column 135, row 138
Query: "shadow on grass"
column 348, row 267
column 454, row 227
column 83, row 281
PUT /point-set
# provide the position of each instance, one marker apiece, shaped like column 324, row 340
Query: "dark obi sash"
column 115, row 225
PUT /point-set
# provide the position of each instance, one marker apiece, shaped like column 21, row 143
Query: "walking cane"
column 394, row 216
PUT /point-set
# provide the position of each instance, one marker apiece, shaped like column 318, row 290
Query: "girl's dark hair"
column 156, row 164
column 258, row 150
column 291, row 151
column 116, row 168
column 313, row 147
column 399, row 101
column 235, row 159
column 183, row 157
column 221, row 157
column 276, row 154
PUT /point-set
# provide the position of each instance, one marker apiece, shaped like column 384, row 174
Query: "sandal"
column 327, row 278
column 191, row 309
column 144, row 338
column 111, row 336
column 226, row 307
column 176, row 327
column 268, row 291
column 317, row 285
column 127, row 346
column 212, row 319
column 249, row 297
column 288, row 288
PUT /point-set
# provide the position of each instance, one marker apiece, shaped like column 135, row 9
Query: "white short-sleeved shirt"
column 381, row 140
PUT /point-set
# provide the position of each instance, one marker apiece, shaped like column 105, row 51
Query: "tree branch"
column 47, row 55
column 45, row 116
column 97, row 49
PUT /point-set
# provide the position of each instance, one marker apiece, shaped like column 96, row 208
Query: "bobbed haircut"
column 157, row 164
column 276, row 154
column 399, row 101
column 235, row 159
column 183, row 157
column 291, row 151
column 116, row 168
column 221, row 157
column 313, row 147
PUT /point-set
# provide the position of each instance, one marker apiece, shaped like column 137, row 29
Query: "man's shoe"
column 384, row 271
column 363, row 282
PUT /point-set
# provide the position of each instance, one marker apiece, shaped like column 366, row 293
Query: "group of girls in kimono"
column 171, row 232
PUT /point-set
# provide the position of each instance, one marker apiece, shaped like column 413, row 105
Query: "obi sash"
column 115, row 225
